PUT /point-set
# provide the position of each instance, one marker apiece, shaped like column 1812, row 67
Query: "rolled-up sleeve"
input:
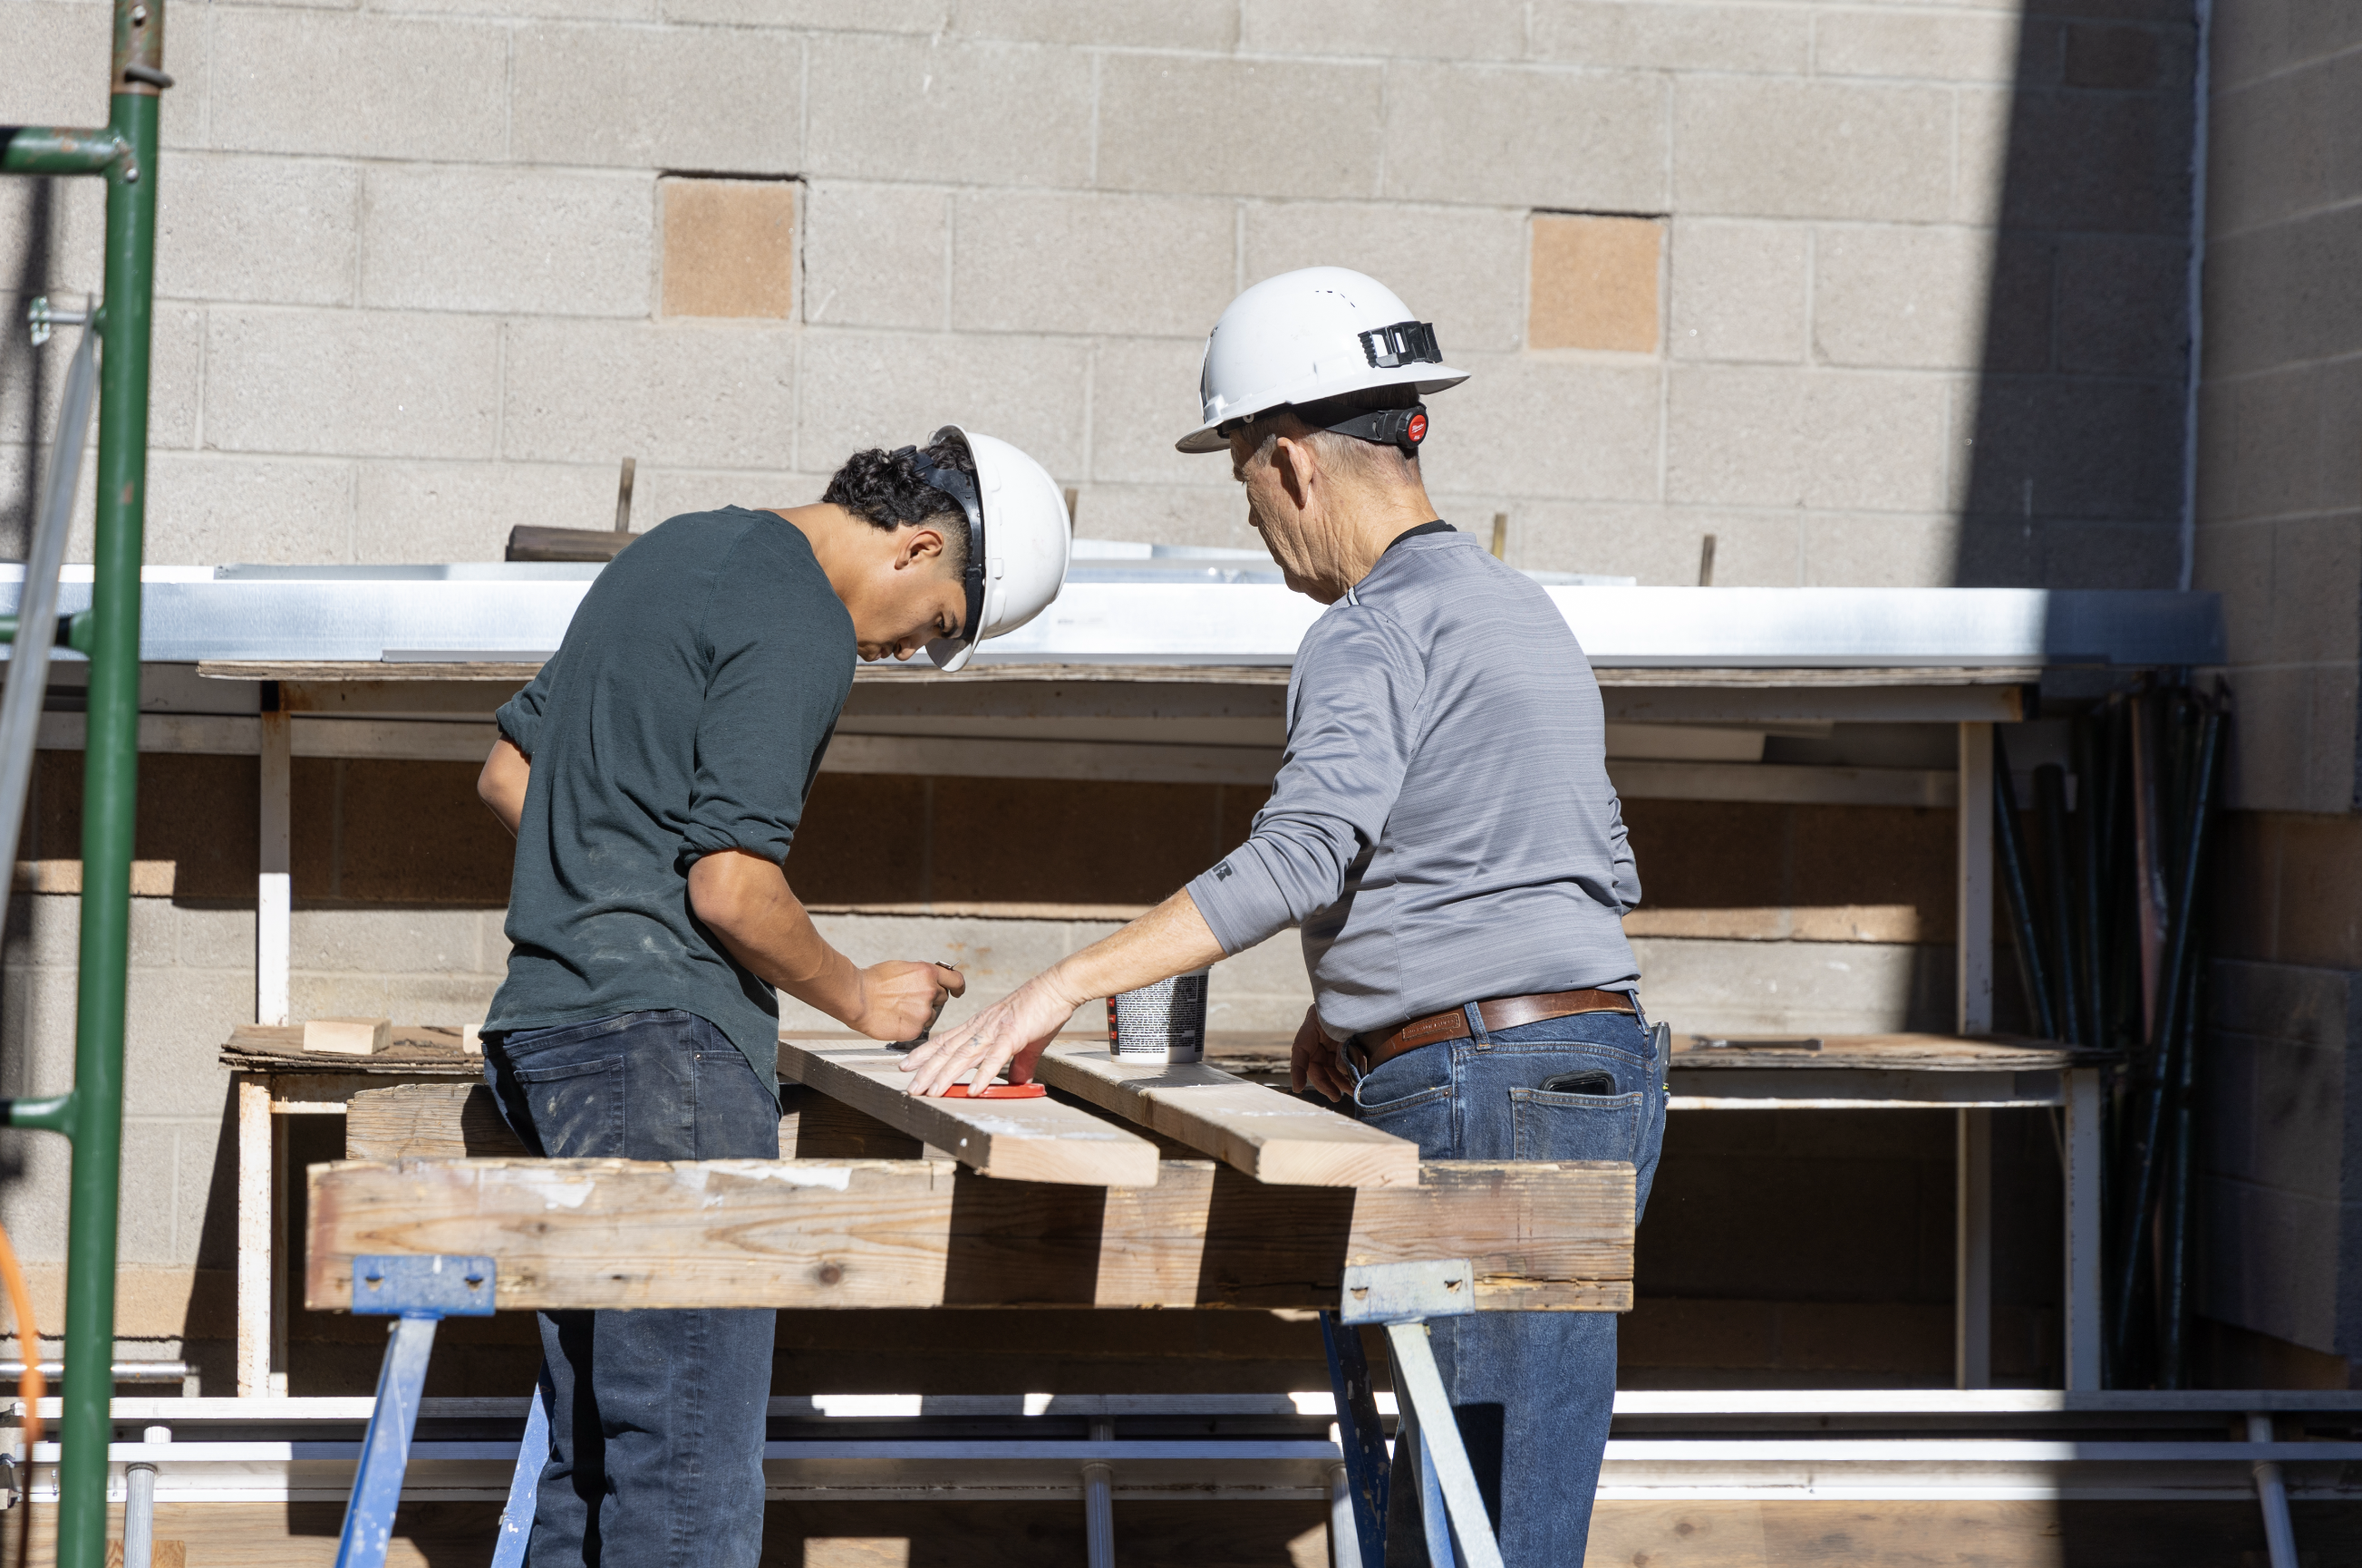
column 520, row 716
column 766, row 723
column 1354, row 721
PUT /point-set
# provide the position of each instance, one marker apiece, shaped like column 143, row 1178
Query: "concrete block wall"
column 423, row 282
column 2280, row 535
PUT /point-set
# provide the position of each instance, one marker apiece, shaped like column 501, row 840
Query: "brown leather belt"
column 1507, row 1013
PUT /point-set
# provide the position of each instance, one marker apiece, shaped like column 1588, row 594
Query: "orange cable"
column 31, row 1387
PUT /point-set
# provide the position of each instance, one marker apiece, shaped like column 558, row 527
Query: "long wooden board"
column 1019, row 1139
column 455, row 1121
column 1271, row 1136
column 826, row 1233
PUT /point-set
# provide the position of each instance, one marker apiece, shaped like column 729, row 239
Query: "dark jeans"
column 655, row 1419
column 1533, row 1390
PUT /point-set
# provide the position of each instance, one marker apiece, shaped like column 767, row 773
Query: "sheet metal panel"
column 489, row 610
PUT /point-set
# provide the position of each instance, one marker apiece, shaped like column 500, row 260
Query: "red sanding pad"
column 996, row 1091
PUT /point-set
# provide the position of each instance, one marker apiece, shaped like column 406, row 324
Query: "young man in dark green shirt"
column 654, row 775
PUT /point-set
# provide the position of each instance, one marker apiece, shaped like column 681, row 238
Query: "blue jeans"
column 1533, row 1390
column 655, row 1418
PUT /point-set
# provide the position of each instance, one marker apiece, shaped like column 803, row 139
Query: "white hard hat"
column 1018, row 534
column 1310, row 335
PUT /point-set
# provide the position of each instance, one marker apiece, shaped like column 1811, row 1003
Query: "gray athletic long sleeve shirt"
column 1443, row 828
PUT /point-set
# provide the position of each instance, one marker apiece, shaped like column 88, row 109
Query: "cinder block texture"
column 1145, row 398
column 987, row 114
column 1958, row 46
column 1144, row 266
column 1550, row 427
column 702, row 98
column 373, row 383
column 538, row 242
column 877, row 255
column 729, row 248
column 412, row 510
column 1740, row 291
column 874, row 389
column 1154, row 24
column 588, row 391
column 314, row 83
column 1459, row 267
column 1472, row 29
column 1468, row 133
column 257, row 229
column 1845, row 440
column 1593, row 284
column 1772, row 149
column 212, row 505
column 1632, row 34
column 1238, row 128
column 1900, row 296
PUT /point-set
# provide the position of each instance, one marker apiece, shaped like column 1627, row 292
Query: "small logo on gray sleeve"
column 1223, row 872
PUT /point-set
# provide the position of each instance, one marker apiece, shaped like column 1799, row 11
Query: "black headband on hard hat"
column 961, row 487
column 1402, row 428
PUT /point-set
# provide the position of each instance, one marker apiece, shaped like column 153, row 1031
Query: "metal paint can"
column 1163, row 1024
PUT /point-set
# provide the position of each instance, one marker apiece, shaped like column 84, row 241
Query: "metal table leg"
column 418, row 1293
column 1404, row 1297
column 525, row 1487
column 1364, row 1444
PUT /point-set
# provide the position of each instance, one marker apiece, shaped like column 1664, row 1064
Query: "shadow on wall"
column 2073, row 475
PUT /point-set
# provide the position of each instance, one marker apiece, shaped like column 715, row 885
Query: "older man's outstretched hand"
column 1010, row 1034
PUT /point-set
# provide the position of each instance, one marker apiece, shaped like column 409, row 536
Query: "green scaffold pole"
column 124, row 153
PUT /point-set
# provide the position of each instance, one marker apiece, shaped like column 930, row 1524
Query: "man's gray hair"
column 1376, row 462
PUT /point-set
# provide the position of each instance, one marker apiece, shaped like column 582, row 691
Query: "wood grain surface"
column 1020, row 1140
column 839, row 1234
column 1271, row 1136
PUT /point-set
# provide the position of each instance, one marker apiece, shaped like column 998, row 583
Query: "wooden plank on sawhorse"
column 1271, row 1136
column 1019, row 1139
column 838, row 1233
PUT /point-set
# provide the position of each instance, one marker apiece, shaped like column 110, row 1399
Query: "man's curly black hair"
column 885, row 490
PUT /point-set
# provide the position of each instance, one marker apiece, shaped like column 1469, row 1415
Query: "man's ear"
column 1292, row 460
column 921, row 544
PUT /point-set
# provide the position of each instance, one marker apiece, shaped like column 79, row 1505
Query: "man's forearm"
column 1171, row 939
column 746, row 902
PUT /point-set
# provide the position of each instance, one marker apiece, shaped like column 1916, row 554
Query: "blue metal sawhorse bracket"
column 1402, row 1298
column 418, row 1292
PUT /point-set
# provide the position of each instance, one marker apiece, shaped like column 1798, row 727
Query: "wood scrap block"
column 843, row 1234
column 1271, row 1136
column 427, row 1122
column 472, row 1039
column 1020, row 1140
column 347, row 1036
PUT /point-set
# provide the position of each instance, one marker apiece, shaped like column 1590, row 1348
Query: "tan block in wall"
column 729, row 248
column 1593, row 283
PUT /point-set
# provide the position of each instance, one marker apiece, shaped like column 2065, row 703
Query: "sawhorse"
column 420, row 1291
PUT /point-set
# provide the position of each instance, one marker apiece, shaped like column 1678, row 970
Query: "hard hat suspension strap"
column 1403, row 428
column 961, row 488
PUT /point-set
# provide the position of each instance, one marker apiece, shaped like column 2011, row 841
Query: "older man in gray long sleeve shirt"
column 1443, row 827
column 1444, row 831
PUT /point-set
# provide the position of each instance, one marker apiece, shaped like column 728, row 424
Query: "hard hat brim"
column 1208, row 437
column 950, row 655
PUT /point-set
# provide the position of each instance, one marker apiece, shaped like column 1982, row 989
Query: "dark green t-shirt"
column 686, row 712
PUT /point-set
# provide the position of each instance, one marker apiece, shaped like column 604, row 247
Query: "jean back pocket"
column 577, row 1109
column 1557, row 1126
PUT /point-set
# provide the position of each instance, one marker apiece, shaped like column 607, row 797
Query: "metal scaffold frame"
column 90, row 1114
